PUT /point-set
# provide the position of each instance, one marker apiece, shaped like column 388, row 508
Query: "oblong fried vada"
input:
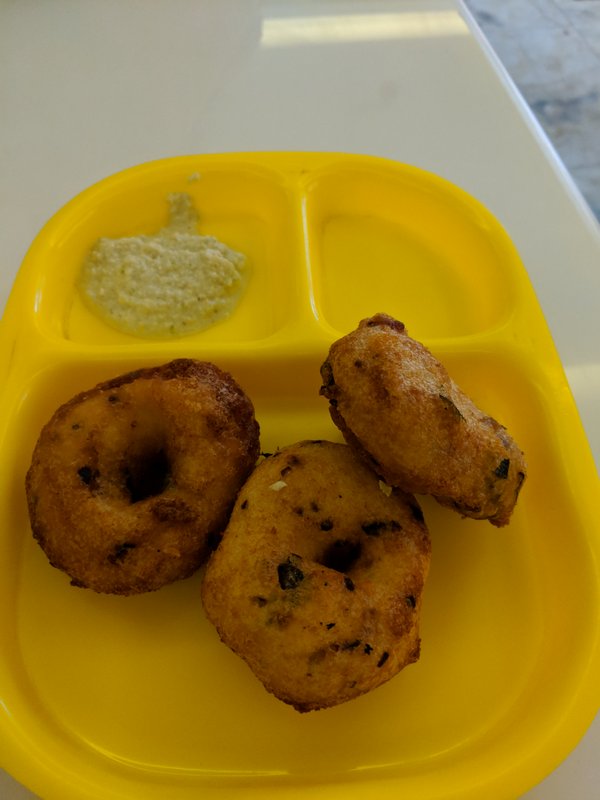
column 397, row 405
column 131, row 480
column 317, row 582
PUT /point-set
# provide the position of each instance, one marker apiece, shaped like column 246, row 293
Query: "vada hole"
column 341, row 555
column 147, row 475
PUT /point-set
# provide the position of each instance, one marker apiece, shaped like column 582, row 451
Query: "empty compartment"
column 407, row 243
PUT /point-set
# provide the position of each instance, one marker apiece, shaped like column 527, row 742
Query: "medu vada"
column 317, row 583
column 131, row 482
column 397, row 405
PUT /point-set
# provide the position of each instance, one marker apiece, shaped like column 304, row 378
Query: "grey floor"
column 551, row 50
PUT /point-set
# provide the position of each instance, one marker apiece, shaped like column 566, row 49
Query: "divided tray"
column 111, row 697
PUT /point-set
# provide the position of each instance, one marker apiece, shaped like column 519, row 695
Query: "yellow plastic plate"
column 109, row 697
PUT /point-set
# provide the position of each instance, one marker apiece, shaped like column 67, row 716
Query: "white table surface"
column 88, row 88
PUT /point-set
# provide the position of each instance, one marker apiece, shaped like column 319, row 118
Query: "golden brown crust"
column 131, row 480
column 398, row 406
column 318, row 580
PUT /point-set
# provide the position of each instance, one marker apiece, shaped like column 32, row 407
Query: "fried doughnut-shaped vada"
column 318, row 580
column 131, row 480
column 398, row 406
